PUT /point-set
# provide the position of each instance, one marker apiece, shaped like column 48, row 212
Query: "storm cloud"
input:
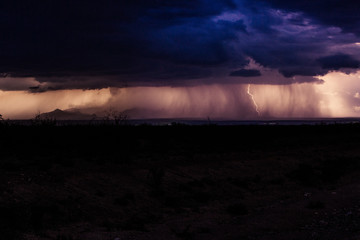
column 92, row 44
column 339, row 61
column 340, row 13
column 246, row 73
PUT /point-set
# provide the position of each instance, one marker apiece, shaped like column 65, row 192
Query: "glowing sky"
column 232, row 59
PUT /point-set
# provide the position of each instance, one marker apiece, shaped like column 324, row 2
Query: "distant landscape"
column 72, row 114
column 77, row 117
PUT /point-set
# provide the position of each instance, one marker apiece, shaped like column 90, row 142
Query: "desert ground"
column 180, row 182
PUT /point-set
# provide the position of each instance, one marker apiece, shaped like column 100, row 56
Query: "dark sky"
column 96, row 44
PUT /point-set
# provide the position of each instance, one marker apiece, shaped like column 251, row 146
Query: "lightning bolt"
column 253, row 100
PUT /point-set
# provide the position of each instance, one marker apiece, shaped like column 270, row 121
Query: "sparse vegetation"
column 44, row 121
column 315, row 205
column 64, row 237
column 113, row 116
column 71, row 182
column 185, row 233
column 156, row 177
column 237, row 209
column 3, row 122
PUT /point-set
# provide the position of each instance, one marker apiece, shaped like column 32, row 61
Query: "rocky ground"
column 180, row 182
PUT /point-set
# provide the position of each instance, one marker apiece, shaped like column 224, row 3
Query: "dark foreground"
column 180, row 182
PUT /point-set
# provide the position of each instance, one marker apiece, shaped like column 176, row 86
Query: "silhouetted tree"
column 3, row 122
column 40, row 120
column 118, row 118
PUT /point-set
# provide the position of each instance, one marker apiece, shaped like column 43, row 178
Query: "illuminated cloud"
column 230, row 101
column 336, row 95
column 22, row 104
column 340, row 92
column 340, row 13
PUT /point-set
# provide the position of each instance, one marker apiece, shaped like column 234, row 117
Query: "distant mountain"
column 143, row 113
column 71, row 114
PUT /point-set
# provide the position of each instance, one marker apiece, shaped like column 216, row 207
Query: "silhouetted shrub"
column 306, row 174
column 13, row 221
column 64, row 237
column 155, row 180
column 3, row 122
column 138, row 220
column 315, row 205
column 185, row 233
column 277, row 181
column 125, row 199
column 336, row 167
column 115, row 117
column 43, row 121
column 237, row 209
column 240, row 182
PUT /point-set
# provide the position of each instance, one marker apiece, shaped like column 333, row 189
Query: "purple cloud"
column 92, row 44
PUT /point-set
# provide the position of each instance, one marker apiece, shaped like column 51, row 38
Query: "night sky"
column 228, row 59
